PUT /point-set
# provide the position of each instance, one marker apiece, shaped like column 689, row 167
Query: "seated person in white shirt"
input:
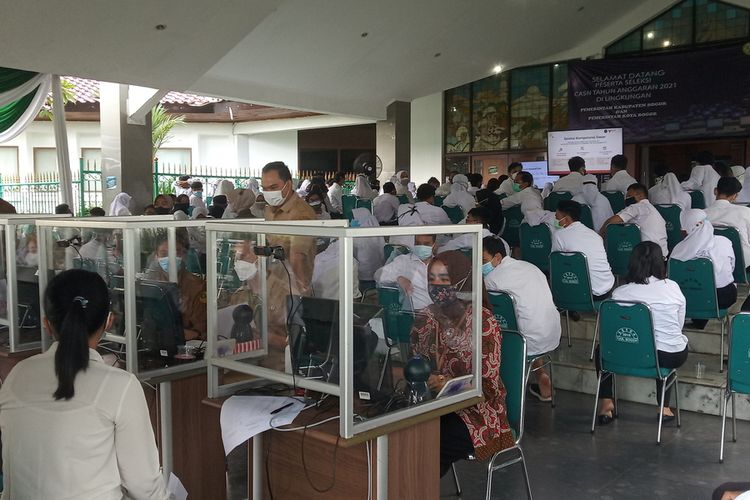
column 639, row 210
column 701, row 242
column 424, row 210
column 575, row 237
column 475, row 179
column 385, row 206
column 724, row 213
column 601, row 209
column 526, row 194
column 478, row 215
column 335, row 195
column 621, row 180
column 460, row 196
column 196, row 198
column 537, row 316
column 506, row 187
column 646, row 282
column 410, row 272
column 573, row 182
column 73, row 426
column 703, row 177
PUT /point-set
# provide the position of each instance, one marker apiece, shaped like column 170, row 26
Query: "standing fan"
column 368, row 164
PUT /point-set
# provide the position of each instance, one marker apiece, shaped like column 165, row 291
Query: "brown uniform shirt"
column 193, row 300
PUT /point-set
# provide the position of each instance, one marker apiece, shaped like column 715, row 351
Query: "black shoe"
column 605, row 419
column 574, row 315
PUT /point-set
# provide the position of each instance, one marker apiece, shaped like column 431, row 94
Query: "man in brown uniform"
column 299, row 251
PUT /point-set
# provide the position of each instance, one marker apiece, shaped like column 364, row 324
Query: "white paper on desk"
column 175, row 488
column 242, row 417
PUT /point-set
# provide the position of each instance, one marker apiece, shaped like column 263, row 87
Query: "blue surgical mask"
column 423, row 252
column 487, row 268
column 199, row 194
column 516, row 187
column 164, row 263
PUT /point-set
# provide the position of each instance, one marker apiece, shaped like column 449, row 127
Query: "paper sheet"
column 242, row 417
column 175, row 488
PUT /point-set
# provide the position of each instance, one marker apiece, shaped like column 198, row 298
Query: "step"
column 574, row 372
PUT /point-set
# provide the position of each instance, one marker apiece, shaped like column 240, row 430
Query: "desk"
column 413, row 458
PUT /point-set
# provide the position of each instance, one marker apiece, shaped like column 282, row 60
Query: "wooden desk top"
column 329, row 432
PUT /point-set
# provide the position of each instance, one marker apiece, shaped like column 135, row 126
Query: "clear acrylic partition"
column 292, row 304
column 155, row 269
column 20, row 325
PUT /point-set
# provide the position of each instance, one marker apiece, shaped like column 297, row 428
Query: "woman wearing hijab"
column 601, row 210
column 119, row 205
column 442, row 334
column 239, row 203
column 744, row 195
column 304, row 188
column 326, row 276
column 362, row 188
column 402, row 185
column 701, row 242
column 459, row 196
column 670, row 192
column 252, row 185
column 368, row 251
column 738, row 171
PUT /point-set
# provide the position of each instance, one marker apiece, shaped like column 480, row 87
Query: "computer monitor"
column 316, row 336
column 159, row 318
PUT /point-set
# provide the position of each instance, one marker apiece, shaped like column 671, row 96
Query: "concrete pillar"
column 126, row 150
column 393, row 139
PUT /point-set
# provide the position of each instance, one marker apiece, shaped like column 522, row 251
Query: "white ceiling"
column 307, row 54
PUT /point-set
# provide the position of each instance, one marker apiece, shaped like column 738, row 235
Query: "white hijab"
column 252, row 185
column 460, row 183
column 368, row 251
column 119, row 205
column 700, row 236
column 362, row 188
column 739, row 172
column 669, row 192
column 302, row 191
column 744, row 195
column 401, row 188
column 590, row 192
column 224, row 187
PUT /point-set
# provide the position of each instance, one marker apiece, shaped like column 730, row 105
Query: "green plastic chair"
column 536, row 245
column 586, row 218
column 619, row 242
column 555, row 197
column 697, row 200
column 439, row 201
column 513, row 374
column 403, row 199
column 504, row 308
column 397, row 323
column 363, row 203
column 671, row 215
column 389, row 248
column 513, row 219
column 628, row 348
column 455, row 214
column 740, row 275
column 696, row 280
column 571, row 287
column 349, row 202
column 738, row 371
column 616, row 200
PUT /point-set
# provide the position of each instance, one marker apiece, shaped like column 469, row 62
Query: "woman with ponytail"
column 72, row 426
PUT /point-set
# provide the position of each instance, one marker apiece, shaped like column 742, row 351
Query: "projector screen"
column 596, row 146
column 539, row 170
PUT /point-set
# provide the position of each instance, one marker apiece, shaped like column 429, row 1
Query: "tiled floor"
column 620, row 461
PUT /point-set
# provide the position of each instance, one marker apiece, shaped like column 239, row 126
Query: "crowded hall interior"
column 304, row 249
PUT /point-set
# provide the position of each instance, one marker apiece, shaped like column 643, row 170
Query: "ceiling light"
column 650, row 35
column 160, row 27
column 498, row 68
column 666, row 43
column 557, row 65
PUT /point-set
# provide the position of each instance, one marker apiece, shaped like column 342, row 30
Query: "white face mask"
column 245, row 270
column 274, row 198
column 31, row 259
column 314, row 203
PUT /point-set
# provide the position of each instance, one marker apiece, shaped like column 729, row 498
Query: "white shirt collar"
column 93, row 355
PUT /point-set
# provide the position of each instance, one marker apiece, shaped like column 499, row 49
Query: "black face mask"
column 181, row 206
column 162, row 211
column 629, row 201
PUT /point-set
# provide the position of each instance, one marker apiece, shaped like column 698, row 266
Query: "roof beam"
column 310, row 122
column 140, row 102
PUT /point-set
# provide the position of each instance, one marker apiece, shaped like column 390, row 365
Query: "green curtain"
column 10, row 113
column 11, row 78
